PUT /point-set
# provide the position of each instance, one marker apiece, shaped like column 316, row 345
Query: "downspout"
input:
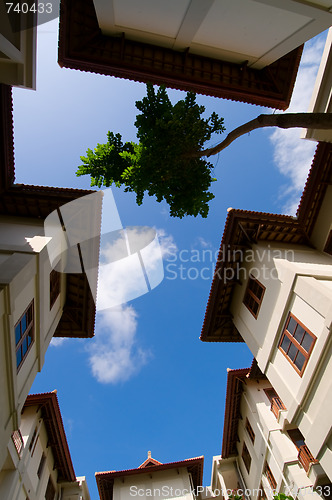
column 242, row 480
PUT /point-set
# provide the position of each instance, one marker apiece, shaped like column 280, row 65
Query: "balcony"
column 306, row 458
column 18, row 441
column 276, row 406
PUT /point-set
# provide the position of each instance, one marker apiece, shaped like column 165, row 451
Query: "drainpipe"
column 242, row 480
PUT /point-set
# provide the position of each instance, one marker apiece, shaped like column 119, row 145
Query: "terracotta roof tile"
column 82, row 46
column 51, row 414
column 245, row 227
column 105, row 480
column 38, row 202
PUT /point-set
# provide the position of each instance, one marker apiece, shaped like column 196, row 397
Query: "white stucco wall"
column 19, row 478
column 271, row 444
column 15, row 230
column 298, row 281
column 24, row 277
column 173, row 483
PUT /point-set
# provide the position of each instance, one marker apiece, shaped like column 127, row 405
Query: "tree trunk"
column 287, row 120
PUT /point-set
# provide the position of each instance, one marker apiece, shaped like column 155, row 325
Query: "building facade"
column 18, row 45
column 153, row 479
column 37, row 302
column 273, row 290
column 38, row 464
column 246, row 50
column 262, row 453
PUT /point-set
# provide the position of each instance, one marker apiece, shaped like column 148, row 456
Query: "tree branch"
column 288, row 120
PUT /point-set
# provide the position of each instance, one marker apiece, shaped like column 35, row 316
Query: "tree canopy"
column 169, row 159
column 166, row 162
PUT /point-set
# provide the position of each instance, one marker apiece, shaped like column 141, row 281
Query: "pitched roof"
column 82, row 46
column 236, row 380
column 319, row 178
column 149, row 462
column 48, row 404
column 105, row 480
column 22, row 200
column 244, row 228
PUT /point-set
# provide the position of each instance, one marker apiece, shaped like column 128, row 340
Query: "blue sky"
column 146, row 381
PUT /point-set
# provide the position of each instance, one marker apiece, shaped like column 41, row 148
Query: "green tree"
column 166, row 161
column 169, row 160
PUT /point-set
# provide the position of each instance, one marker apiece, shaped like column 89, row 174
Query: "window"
column 296, row 437
column 262, row 494
column 41, row 465
column 305, row 457
column 24, row 333
column 18, row 441
column 253, row 296
column 54, row 287
column 50, row 490
column 276, row 403
column 270, row 477
column 32, row 442
column 246, row 457
column 250, row 431
column 271, row 394
column 296, row 343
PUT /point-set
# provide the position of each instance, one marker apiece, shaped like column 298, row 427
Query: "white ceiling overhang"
column 256, row 31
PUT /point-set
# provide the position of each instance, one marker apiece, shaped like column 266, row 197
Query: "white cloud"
column 58, row 341
column 115, row 355
column 293, row 155
column 203, row 243
column 131, row 264
column 167, row 243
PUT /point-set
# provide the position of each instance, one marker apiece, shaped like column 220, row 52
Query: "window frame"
column 50, row 490
column 245, row 455
column 262, row 494
column 250, row 431
column 296, row 436
column 249, row 294
column 269, row 476
column 29, row 331
column 41, row 465
column 268, row 391
column 55, row 287
column 296, row 344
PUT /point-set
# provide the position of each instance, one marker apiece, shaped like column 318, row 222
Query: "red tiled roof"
column 105, row 480
column 23, row 200
column 318, row 179
column 243, row 228
column 149, row 462
column 235, row 381
column 82, row 46
column 50, row 411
